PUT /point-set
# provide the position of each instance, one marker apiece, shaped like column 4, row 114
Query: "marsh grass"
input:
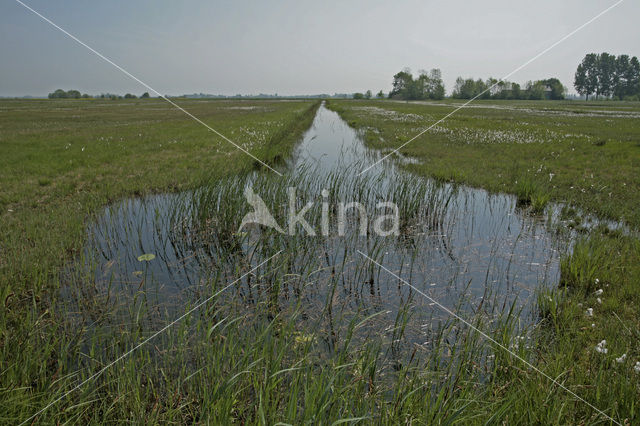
column 260, row 365
column 341, row 344
column 581, row 170
column 62, row 162
column 525, row 190
column 493, row 144
column 319, row 335
column 310, row 337
column 530, row 193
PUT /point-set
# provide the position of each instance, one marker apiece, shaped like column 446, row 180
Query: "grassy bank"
column 587, row 154
column 584, row 154
column 64, row 160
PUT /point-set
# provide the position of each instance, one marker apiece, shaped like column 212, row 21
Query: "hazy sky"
column 297, row 47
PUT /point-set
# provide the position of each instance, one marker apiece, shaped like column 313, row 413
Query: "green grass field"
column 586, row 155
column 63, row 161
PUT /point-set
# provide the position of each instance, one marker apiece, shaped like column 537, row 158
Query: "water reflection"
column 466, row 248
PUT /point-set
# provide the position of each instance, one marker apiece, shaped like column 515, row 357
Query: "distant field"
column 63, row 159
column 57, row 148
column 585, row 153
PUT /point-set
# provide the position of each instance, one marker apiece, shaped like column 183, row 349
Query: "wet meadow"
column 132, row 289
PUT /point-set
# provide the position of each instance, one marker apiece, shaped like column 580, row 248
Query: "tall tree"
column 467, row 88
column 587, row 75
column 606, row 71
column 515, row 91
column 458, row 87
column 401, row 84
column 421, row 85
column 620, row 76
column 436, row 85
column 580, row 81
column 633, row 77
column 480, row 90
column 627, row 76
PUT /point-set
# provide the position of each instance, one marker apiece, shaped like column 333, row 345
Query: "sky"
column 298, row 47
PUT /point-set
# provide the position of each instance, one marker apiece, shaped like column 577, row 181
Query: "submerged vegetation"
column 299, row 329
column 590, row 324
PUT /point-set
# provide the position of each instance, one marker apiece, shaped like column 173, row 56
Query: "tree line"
column 427, row 85
column 69, row 94
column 365, row 95
column 550, row 88
column 608, row 76
column 74, row 94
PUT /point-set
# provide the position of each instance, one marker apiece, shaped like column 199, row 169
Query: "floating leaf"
column 146, row 257
column 304, row 338
column 137, row 273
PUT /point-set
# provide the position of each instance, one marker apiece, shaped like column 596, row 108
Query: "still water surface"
column 472, row 251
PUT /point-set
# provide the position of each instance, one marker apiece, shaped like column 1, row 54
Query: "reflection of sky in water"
column 486, row 242
column 482, row 247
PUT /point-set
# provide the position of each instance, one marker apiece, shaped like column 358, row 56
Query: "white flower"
column 621, row 359
column 601, row 347
column 599, row 300
column 593, row 325
column 636, row 368
column 599, row 292
column 589, row 312
column 597, row 281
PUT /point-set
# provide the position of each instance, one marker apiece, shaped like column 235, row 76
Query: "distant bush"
column 74, row 94
column 69, row 94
